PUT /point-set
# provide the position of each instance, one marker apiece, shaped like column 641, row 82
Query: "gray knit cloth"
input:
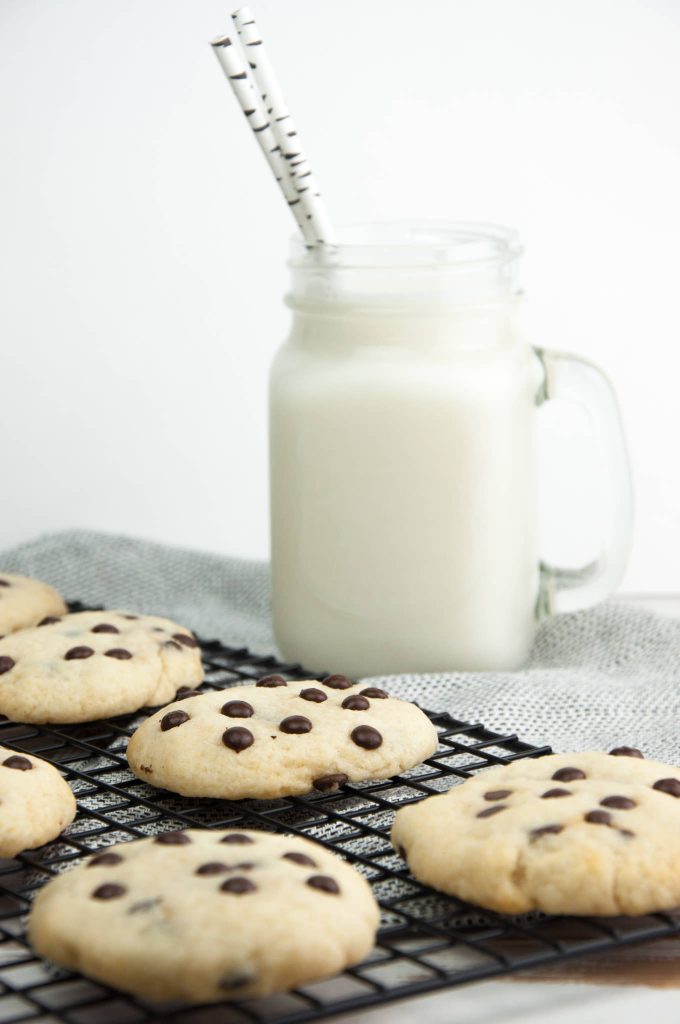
column 595, row 679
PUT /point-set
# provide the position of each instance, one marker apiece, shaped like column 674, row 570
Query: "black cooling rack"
column 427, row 941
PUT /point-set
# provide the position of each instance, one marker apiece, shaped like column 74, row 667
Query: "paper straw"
column 235, row 66
column 283, row 127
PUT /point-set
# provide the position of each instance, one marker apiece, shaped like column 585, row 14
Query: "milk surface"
column 403, row 491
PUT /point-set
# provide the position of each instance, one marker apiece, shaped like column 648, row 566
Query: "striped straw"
column 235, row 67
column 283, row 127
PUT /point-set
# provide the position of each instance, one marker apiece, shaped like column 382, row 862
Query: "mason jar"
column 403, row 458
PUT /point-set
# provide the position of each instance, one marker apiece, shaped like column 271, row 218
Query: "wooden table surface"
column 637, row 985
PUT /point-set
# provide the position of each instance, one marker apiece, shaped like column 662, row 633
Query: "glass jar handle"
column 572, row 379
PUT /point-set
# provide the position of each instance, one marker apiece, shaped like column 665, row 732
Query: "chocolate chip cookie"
column 25, row 602
column 89, row 665
column 280, row 738
column 36, row 803
column 203, row 916
column 589, row 833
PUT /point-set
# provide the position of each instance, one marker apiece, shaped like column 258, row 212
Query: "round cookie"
column 36, row 803
column 593, row 833
column 25, row 602
column 280, row 739
column 90, row 665
column 203, row 915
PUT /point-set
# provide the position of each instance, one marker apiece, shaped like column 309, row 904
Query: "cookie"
column 202, row 915
column 586, row 833
column 280, row 738
column 90, row 665
column 36, row 803
column 25, row 602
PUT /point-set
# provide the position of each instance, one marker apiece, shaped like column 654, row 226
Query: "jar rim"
column 408, row 244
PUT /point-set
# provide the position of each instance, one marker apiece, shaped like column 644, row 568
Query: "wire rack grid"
column 427, row 941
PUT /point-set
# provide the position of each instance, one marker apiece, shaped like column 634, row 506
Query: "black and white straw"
column 235, row 66
column 283, row 127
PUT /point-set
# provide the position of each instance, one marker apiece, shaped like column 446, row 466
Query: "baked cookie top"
column 589, row 833
column 204, row 915
column 279, row 738
column 89, row 665
column 24, row 602
column 36, row 803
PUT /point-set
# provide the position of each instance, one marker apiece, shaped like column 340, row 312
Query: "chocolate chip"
column 213, row 867
column 172, row 645
column 104, row 858
column 488, row 812
column 49, row 620
column 238, row 885
column 296, row 725
column 625, row 832
column 76, row 653
column 670, row 786
column 5, row 583
column 318, row 696
column 598, row 818
column 131, row 617
column 367, row 737
column 238, row 838
column 105, row 627
column 626, row 752
column 22, row 764
column 402, row 853
column 237, row 738
column 237, row 709
column 497, row 794
column 337, row 682
column 324, row 883
column 173, row 719
column 375, row 693
column 619, row 803
column 246, row 865
column 552, row 794
column 355, row 703
column 270, row 681
column 546, row 830
column 186, row 691
column 568, row 775
column 6, row 664
column 176, row 838
column 186, row 639
column 109, row 891
column 300, row 858
column 329, row 783
column 118, row 652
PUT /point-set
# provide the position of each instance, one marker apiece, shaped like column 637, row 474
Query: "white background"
column 143, row 241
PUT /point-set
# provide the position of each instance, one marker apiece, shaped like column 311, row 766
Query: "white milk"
column 403, row 477
column 403, row 495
